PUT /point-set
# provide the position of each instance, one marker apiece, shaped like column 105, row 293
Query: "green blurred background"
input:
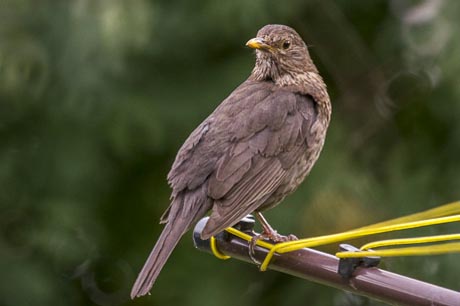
column 96, row 97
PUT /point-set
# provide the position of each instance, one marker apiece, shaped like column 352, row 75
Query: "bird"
column 251, row 152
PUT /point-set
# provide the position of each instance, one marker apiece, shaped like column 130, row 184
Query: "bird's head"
column 280, row 53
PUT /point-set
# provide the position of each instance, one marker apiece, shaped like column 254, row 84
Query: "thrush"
column 256, row 147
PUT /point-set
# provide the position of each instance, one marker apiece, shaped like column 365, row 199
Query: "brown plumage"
column 252, row 151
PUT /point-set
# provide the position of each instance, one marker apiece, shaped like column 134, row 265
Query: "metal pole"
column 322, row 268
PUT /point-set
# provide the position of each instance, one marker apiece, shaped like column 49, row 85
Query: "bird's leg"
column 267, row 233
column 270, row 233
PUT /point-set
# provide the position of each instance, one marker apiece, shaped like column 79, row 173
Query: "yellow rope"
column 215, row 250
column 440, row 211
column 417, row 240
column 439, row 215
column 290, row 246
column 237, row 233
column 408, row 251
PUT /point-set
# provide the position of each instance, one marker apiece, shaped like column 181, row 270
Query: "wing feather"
column 227, row 211
column 245, row 150
column 272, row 151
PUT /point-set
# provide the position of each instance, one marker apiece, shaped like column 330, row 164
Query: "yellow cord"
column 408, row 251
column 248, row 238
column 440, row 211
column 428, row 239
column 216, row 251
column 327, row 239
column 439, row 215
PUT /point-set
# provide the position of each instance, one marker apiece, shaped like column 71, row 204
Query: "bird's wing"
column 271, row 137
column 198, row 156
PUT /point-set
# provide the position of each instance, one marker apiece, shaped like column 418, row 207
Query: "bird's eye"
column 286, row 44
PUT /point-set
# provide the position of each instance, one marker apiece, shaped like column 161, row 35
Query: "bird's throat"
column 265, row 69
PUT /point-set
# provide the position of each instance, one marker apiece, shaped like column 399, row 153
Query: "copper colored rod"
column 322, row 268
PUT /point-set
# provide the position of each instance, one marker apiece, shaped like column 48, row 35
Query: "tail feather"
column 176, row 226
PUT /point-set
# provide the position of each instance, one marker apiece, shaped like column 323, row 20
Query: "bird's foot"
column 269, row 235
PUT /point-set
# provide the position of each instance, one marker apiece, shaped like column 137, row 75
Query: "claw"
column 268, row 234
column 252, row 246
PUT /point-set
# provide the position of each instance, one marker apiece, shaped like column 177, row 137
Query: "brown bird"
column 251, row 152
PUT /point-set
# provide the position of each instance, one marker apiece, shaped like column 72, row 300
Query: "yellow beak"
column 258, row 43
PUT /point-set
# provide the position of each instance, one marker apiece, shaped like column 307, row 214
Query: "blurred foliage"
column 97, row 96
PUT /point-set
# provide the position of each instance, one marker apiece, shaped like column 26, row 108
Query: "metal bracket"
column 347, row 266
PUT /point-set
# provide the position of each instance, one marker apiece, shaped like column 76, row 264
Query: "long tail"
column 177, row 225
